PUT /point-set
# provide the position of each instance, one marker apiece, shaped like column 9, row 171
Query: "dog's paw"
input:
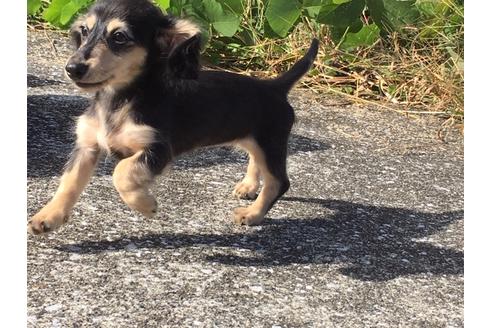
column 47, row 220
column 245, row 190
column 248, row 216
column 150, row 209
column 142, row 202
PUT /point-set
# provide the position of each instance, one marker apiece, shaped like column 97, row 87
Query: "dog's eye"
column 120, row 37
column 84, row 31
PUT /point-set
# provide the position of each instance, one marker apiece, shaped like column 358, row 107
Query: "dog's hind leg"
column 247, row 188
column 133, row 176
column 271, row 162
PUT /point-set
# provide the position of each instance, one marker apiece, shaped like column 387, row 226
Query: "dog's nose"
column 76, row 71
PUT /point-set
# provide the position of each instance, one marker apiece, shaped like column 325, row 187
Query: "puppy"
column 152, row 103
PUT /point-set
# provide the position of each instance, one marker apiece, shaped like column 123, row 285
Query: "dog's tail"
column 287, row 80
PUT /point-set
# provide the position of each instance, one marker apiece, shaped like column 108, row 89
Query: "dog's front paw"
column 46, row 220
column 245, row 190
column 248, row 216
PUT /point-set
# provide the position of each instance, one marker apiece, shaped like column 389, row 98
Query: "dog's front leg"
column 78, row 171
column 133, row 175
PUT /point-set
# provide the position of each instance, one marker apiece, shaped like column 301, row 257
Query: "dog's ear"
column 184, row 60
column 179, row 44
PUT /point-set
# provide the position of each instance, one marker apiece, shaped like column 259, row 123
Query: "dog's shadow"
column 50, row 138
column 370, row 242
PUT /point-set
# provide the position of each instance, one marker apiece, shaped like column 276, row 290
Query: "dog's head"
column 120, row 39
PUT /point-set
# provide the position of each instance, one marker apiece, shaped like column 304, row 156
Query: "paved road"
column 370, row 234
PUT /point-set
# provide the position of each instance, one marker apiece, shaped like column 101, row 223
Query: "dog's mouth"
column 91, row 85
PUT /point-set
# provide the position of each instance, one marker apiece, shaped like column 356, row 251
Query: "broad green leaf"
column 339, row 2
column 52, row 13
column 235, row 6
column 70, row 9
column 175, row 7
column 179, row 8
column 67, row 12
column 314, row 6
column 282, row 14
column 338, row 33
column 390, row 15
column 224, row 21
column 163, row 4
column 324, row 11
column 366, row 36
column 33, row 6
column 342, row 15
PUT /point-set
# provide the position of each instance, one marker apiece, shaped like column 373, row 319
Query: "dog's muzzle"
column 76, row 70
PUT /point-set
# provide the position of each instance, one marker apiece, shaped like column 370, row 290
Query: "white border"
column 13, row 137
column 478, row 214
column 478, row 148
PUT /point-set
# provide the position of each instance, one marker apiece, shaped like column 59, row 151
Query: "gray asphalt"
column 369, row 235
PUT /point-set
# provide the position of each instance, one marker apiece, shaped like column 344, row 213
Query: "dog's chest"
column 114, row 132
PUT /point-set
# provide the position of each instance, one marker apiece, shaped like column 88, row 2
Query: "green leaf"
column 338, row 33
column 313, row 7
column 324, row 11
column 342, row 15
column 235, row 6
column 163, row 4
column 67, row 12
column 70, row 9
column 391, row 15
column 52, row 13
column 281, row 15
column 366, row 36
column 224, row 21
column 33, row 6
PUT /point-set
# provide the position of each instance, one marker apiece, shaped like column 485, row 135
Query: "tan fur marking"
column 73, row 181
column 125, row 135
column 248, row 187
column 133, row 137
column 177, row 34
column 129, row 66
column 86, row 131
column 116, row 71
column 132, row 180
column 91, row 21
column 99, row 55
column 185, row 27
column 115, row 24
column 255, row 213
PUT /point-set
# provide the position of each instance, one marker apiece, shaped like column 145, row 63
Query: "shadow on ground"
column 34, row 81
column 374, row 243
column 50, row 138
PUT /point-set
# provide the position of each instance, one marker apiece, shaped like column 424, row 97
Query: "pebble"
column 53, row 308
column 131, row 247
column 257, row 289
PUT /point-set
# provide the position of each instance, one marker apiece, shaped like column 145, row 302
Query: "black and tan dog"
column 152, row 103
